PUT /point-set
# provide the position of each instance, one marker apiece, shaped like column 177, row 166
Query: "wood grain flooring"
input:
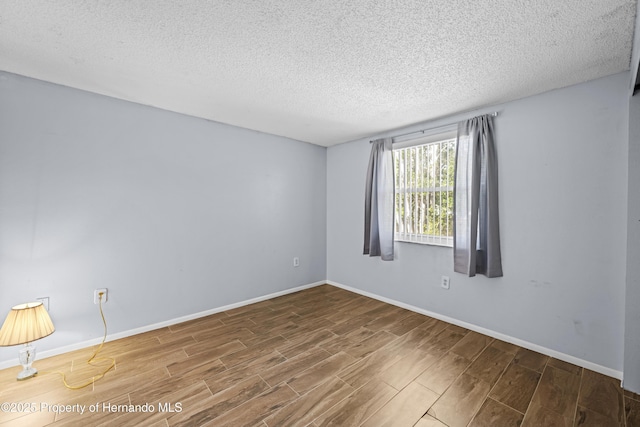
column 319, row 357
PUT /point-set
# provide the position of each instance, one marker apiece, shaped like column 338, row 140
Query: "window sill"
column 429, row 242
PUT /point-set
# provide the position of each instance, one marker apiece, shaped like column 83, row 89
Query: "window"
column 424, row 176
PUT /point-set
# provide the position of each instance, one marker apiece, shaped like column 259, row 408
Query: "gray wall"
column 632, row 323
column 632, row 312
column 563, row 189
column 175, row 215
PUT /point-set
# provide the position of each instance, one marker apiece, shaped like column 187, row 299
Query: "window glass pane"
column 424, row 192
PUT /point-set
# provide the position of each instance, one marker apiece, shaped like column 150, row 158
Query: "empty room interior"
column 186, row 189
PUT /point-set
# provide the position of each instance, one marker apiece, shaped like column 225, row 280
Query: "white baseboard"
column 111, row 337
column 521, row 343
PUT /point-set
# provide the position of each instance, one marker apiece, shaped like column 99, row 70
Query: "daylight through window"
column 424, row 175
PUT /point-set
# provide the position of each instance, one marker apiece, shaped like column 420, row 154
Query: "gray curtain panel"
column 476, row 231
column 379, row 201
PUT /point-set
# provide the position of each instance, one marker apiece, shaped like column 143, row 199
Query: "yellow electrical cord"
column 93, row 358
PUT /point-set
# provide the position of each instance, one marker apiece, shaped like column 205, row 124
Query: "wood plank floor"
column 319, row 357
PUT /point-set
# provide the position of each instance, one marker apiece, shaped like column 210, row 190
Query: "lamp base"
column 27, row 373
column 26, row 357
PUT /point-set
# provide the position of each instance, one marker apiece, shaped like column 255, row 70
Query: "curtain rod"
column 494, row 114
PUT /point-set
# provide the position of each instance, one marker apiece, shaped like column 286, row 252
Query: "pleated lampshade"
column 26, row 323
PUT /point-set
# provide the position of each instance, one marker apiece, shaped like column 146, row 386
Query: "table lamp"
column 24, row 324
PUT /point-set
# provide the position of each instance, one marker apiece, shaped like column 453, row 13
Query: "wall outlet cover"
column 96, row 295
column 44, row 301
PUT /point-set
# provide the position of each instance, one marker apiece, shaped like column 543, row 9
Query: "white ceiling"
column 325, row 71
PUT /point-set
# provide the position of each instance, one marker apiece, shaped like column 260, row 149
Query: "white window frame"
column 410, row 188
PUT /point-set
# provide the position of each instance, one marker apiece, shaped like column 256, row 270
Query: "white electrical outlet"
column 444, row 282
column 296, row 261
column 44, row 301
column 96, row 295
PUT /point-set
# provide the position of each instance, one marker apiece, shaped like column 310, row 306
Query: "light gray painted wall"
column 175, row 215
column 97, row 192
column 632, row 311
column 563, row 189
column 632, row 300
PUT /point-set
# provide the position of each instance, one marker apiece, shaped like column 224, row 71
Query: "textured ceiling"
column 318, row 71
